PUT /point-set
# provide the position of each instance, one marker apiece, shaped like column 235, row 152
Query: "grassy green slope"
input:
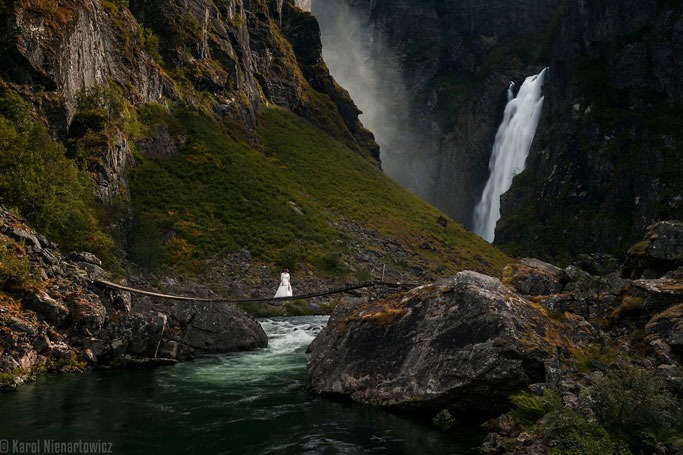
column 283, row 200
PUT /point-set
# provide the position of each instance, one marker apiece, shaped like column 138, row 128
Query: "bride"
column 285, row 289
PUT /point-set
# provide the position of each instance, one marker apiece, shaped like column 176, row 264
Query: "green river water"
column 243, row 403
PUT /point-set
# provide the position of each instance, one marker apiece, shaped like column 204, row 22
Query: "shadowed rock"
column 660, row 251
column 533, row 277
column 464, row 344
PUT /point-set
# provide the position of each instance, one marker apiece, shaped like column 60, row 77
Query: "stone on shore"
column 463, row 344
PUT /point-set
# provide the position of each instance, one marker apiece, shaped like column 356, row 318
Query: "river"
column 243, row 403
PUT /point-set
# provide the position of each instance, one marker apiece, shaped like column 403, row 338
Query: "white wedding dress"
column 285, row 288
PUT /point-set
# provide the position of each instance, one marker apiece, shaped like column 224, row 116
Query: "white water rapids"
column 510, row 150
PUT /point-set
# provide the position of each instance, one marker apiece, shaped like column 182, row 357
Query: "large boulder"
column 533, row 277
column 668, row 327
column 660, row 251
column 202, row 327
column 589, row 296
column 642, row 300
column 463, row 344
column 137, row 334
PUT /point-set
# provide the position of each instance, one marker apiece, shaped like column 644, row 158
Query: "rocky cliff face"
column 432, row 78
column 603, row 164
column 606, row 160
column 52, row 316
column 229, row 57
column 250, row 53
column 66, row 49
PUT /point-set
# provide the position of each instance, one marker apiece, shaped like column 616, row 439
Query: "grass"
column 281, row 200
column 350, row 186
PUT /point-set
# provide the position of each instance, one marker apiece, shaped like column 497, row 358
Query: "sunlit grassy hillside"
column 286, row 199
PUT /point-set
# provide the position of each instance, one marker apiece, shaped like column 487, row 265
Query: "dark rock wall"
column 61, row 53
column 607, row 158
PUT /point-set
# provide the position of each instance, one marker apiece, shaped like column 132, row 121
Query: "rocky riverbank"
column 462, row 346
column 53, row 316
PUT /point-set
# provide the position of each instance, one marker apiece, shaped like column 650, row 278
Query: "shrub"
column 151, row 44
column 633, row 404
column 565, row 431
column 529, row 407
column 569, row 433
column 14, row 265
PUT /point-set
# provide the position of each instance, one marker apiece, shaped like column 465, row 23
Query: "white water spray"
column 510, row 150
column 360, row 60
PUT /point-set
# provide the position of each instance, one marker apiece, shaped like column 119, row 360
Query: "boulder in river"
column 219, row 327
column 464, row 344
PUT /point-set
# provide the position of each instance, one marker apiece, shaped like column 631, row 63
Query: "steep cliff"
column 607, row 159
column 253, row 53
column 605, row 162
column 431, row 79
column 53, row 317
column 55, row 52
column 88, row 69
column 207, row 128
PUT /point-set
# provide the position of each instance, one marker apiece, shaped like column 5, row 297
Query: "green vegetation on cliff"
column 185, row 119
column 285, row 200
column 46, row 187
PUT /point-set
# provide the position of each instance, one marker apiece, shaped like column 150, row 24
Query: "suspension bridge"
column 341, row 290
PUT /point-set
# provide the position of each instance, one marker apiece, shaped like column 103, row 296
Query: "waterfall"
column 510, row 150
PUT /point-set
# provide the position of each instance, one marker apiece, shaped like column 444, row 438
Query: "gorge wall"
column 210, row 129
column 606, row 159
column 243, row 53
column 433, row 79
column 606, row 162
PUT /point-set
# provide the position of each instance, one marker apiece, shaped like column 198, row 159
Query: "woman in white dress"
column 285, row 288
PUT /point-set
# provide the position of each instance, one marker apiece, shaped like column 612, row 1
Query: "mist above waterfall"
column 510, row 150
column 360, row 61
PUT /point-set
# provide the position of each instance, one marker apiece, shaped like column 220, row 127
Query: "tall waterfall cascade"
column 510, row 150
